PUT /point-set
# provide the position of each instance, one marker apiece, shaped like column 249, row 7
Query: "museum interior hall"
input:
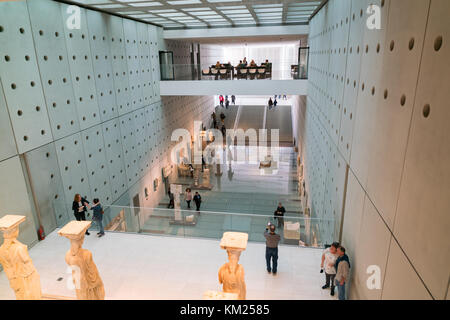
column 224, row 150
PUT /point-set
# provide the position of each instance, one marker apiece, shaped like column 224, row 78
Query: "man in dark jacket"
column 198, row 201
column 279, row 214
column 272, row 240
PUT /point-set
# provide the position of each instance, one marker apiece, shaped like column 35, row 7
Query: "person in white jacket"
column 329, row 257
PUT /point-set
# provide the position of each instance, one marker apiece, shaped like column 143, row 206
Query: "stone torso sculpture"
column 85, row 276
column 90, row 285
column 231, row 274
column 233, row 280
column 17, row 264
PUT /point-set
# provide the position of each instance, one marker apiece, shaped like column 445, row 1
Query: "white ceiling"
column 173, row 14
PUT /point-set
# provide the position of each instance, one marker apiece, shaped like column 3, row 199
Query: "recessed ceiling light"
column 181, row 2
column 145, row 4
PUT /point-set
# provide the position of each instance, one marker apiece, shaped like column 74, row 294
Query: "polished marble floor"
column 134, row 266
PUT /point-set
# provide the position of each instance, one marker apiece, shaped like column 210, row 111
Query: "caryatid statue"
column 87, row 281
column 23, row 276
column 231, row 274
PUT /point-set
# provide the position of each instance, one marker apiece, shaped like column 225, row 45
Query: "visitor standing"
column 171, row 200
column 329, row 258
column 279, row 214
column 221, row 100
column 188, row 197
column 98, row 216
column 233, row 99
column 79, row 207
column 270, row 103
column 198, row 201
column 272, row 240
column 342, row 271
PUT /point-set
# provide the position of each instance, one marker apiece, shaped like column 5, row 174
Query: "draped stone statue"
column 87, row 281
column 231, row 274
column 17, row 264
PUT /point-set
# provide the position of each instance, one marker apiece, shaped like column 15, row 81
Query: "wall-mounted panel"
column 73, row 168
column 395, row 101
column 401, row 281
column 7, row 142
column 20, row 78
column 54, row 68
column 114, row 156
column 102, row 63
column 14, row 199
column 422, row 220
column 46, row 181
column 80, row 62
column 96, row 164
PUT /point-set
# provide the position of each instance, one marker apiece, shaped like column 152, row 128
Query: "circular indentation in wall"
column 25, row 138
column 1, row 29
column 411, row 44
column 21, row 30
column 438, row 43
column 386, row 94
column 403, row 100
column 41, row 33
column 19, row 113
column 42, row 132
column 392, row 45
column 38, row 108
column 373, row 91
column 7, row 58
column 426, row 110
column 27, row 58
column 13, row 86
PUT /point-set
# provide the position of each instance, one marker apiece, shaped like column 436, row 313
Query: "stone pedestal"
column 206, row 183
column 231, row 274
column 17, row 264
column 218, row 170
column 85, row 276
column 197, row 169
column 176, row 189
column 217, row 295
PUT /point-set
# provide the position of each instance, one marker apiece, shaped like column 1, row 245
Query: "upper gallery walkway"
column 265, row 78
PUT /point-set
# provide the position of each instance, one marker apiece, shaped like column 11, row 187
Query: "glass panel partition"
column 294, row 229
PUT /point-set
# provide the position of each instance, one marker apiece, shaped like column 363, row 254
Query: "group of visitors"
column 245, row 64
column 224, row 101
column 215, row 124
column 335, row 262
column 272, row 103
column 336, row 265
column 80, row 206
column 187, row 197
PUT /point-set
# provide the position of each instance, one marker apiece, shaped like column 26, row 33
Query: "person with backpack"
column 98, row 216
